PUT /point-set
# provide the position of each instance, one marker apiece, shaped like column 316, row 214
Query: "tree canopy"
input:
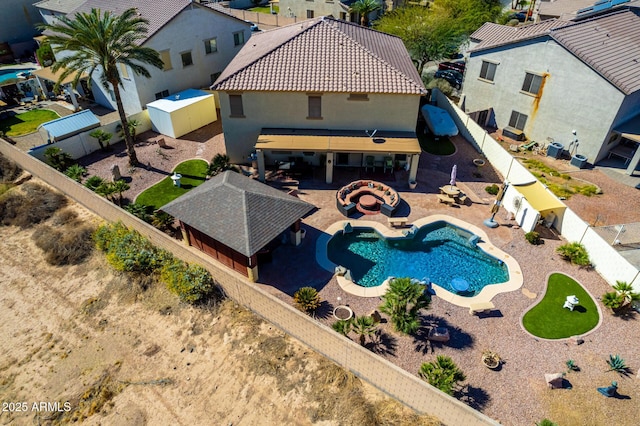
column 432, row 33
column 103, row 42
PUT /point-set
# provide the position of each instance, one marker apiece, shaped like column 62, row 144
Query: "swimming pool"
column 437, row 252
column 443, row 250
column 12, row 73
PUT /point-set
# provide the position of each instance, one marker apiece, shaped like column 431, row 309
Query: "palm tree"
column 99, row 41
column 625, row 290
column 307, row 299
column 364, row 9
column 443, row 374
column 403, row 301
column 363, row 326
column 343, row 326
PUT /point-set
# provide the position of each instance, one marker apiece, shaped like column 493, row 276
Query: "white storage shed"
column 182, row 113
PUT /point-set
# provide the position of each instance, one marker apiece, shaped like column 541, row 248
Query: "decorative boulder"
column 115, row 173
column 376, row 316
column 554, row 381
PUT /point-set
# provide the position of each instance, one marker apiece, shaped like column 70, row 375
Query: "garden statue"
column 610, row 390
column 571, row 302
column 115, row 173
column 176, row 179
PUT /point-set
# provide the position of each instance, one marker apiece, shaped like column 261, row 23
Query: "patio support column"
column 634, row 161
column 329, row 168
column 413, row 171
column 43, row 89
column 261, row 170
column 185, row 234
column 74, row 101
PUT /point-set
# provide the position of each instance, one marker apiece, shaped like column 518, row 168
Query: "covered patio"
column 627, row 135
column 332, row 148
column 533, row 204
column 47, row 74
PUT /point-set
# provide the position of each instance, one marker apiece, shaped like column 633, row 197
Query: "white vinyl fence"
column 606, row 260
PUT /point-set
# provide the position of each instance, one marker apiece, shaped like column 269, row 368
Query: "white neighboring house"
column 546, row 80
column 309, row 9
column 322, row 92
column 195, row 42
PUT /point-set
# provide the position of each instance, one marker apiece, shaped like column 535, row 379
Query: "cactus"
column 616, row 363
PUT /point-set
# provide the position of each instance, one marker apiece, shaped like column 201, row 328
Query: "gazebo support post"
column 296, row 233
column 413, row 170
column 252, row 271
column 185, row 235
column 261, row 170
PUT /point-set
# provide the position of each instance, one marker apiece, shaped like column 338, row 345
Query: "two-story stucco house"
column 18, row 20
column 309, row 9
column 325, row 91
column 545, row 81
column 195, row 43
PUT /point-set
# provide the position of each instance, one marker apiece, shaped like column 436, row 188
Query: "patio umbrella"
column 454, row 171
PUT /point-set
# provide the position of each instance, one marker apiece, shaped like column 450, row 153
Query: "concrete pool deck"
column 486, row 294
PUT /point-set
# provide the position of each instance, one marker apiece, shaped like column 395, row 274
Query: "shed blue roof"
column 65, row 127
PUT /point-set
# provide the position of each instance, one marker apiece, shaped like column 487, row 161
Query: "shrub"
column 307, row 299
column 76, row 172
column 68, row 245
column 575, row 253
column 57, row 158
column 492, row 189
column 443, row 374
column 127, row 250
column 9, row 170
column 403, row 301
column 617, row 364
column 533, row 238
column 94, row 182
column 219, row 164
column 30, row 204
column 192, row 283
column 161, row 220
column 342, row 326
column 546, row 422
column 442, row 85
column 141, row 211
column 64, row 217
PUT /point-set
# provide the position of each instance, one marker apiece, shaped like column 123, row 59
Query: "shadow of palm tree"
column 475, row 397
column 458, row 338
column 324, row 311
column 382, row 344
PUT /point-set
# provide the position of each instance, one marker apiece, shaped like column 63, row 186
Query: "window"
column 162, row 94
column 309, row 14
column 235, row 106
column 517, row 120
column 215, row 76
column 532, row 83
column 343, row 16
column 112, row 94
column 315, row 106
column 124, row 73
column 238, row 38
column 488, row 70
column 166, row 60
column 211, row 45
column 186, row 59
column 358, row 97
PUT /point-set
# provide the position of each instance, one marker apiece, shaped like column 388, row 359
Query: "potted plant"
column 412, row 184
column 491, row 359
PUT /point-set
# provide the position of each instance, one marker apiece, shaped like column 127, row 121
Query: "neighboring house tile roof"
column 60, row 6
column 563, row 8
column 157, row 12
column 609, row 43
column 322, row 55
column 238, row 211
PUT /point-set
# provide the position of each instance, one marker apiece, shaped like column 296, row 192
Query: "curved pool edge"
column 486, row 294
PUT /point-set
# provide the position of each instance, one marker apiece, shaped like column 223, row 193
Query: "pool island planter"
column 491, row 360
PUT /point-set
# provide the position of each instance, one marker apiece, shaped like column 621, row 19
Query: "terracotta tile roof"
column 238, row 211
column 609, row 43
column 157, row 12
column 322, row 55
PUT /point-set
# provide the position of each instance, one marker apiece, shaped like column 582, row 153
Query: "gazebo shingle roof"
column 322, row 55
column 238, row 211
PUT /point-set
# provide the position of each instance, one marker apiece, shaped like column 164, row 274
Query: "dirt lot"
column 107, row 351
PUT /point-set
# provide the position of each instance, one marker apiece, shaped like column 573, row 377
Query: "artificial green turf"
column 27, row 122
column 265, row 9
column 428, row 143
column 193, row 174
column 549, row 320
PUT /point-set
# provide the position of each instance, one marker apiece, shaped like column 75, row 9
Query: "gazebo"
column 232, row 217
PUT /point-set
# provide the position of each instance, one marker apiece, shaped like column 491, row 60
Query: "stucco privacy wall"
column 379, row 372
column 83, row 144
column 611, row 266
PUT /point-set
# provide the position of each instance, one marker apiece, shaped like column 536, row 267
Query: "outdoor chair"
column 388, row 164
column 369, row 162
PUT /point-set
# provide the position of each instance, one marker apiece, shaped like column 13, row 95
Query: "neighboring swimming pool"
column 12, row 73
column 442, row 250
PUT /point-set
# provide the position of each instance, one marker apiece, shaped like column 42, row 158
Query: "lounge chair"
column 369, row 162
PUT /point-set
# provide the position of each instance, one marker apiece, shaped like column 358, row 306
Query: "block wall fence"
column 606, row 260
column 387, row 377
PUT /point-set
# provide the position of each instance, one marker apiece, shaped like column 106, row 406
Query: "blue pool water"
column 9, row 73
column 438, row 252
